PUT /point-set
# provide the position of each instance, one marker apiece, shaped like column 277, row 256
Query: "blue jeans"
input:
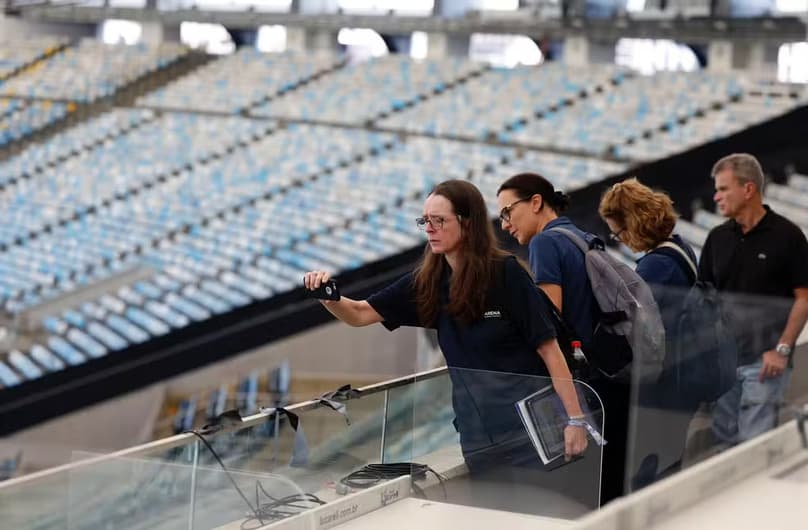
column 750, row 408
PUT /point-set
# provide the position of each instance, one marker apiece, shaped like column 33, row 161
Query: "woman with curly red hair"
column 644, row 220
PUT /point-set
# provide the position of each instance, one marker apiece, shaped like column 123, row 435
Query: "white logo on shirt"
column 761, row 256
column 492, row 314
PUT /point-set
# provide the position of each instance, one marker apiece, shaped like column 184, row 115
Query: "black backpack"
column 703, row 355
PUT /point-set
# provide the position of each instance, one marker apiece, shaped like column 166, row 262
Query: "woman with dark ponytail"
column 530, row 209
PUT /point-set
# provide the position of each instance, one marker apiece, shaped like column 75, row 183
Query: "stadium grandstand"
column 170, row 169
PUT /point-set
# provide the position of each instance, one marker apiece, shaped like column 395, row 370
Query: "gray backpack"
column 628, row 342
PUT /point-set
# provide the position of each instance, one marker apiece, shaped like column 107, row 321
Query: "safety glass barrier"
column 185, row 488
column 332, row 459
column 713, row 380
column 307, row 462
column 318, row 447
column 151, row 488
column 497, row 441
column 44, row 505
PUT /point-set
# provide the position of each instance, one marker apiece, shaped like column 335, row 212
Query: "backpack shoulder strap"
column 680, row 256
column 572, row 236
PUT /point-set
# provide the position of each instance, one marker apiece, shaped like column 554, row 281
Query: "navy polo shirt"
column 504, row 340
column 556, row 259
column 483, row 355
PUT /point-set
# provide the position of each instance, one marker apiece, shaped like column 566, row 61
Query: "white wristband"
column 591, row 430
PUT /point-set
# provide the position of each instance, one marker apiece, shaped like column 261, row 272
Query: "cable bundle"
column 269, row 512
column 373, row 474
column 278, row 509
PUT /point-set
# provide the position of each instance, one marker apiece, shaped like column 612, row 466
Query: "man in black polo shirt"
column 759, row 261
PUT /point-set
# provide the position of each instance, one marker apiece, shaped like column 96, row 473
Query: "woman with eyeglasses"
column 490, row 322
column 644, row 220
column 530, row 209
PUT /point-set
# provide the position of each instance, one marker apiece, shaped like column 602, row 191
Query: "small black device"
column 327, row 291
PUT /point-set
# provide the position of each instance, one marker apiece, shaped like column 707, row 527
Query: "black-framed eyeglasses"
column 505, row 213
column 435, row 221
column 616, row 237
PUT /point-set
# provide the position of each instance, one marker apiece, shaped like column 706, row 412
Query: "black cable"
column 227, row 472
column 373, row 474
column 269, row 512
column 280, row 508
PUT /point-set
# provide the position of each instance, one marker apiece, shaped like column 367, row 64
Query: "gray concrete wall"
column 16, row 28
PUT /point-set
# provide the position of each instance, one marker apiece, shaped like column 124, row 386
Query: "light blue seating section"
column 17, row 53
column 10, row 106
column 601, row 111
column 219, row 234
column 714, row 124
column 19, row 118
column 90, row 70
column 115, row 169
column 234, row 82
column 224, row 211
column 499, row 99
column 225, row 231
column 361, row 91
column 568, row 173
column 637, row 105
column 37, row 156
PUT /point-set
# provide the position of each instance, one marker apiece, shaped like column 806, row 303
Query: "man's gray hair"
column 744, row 166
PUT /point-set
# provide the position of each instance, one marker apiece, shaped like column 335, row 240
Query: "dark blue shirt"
column 481, row 355
column 661, row 268
column 556, row 259
column 506, row 339
column 670, row 277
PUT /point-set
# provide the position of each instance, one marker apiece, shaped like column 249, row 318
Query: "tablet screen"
column 545, row 418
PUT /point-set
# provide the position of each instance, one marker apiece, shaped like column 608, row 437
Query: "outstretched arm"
column 355, row 313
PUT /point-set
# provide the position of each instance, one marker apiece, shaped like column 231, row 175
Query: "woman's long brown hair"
column 476, row 267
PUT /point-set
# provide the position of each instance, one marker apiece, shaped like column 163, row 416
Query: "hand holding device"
column 321, row 285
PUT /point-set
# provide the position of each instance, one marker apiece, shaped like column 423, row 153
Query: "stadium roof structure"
column 690, row 29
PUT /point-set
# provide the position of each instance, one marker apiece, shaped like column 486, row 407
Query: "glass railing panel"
column 411, row 405
column 104, row 492
column 711, row 391
column 498, row 440
column 313, row 447
column 310, row 453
